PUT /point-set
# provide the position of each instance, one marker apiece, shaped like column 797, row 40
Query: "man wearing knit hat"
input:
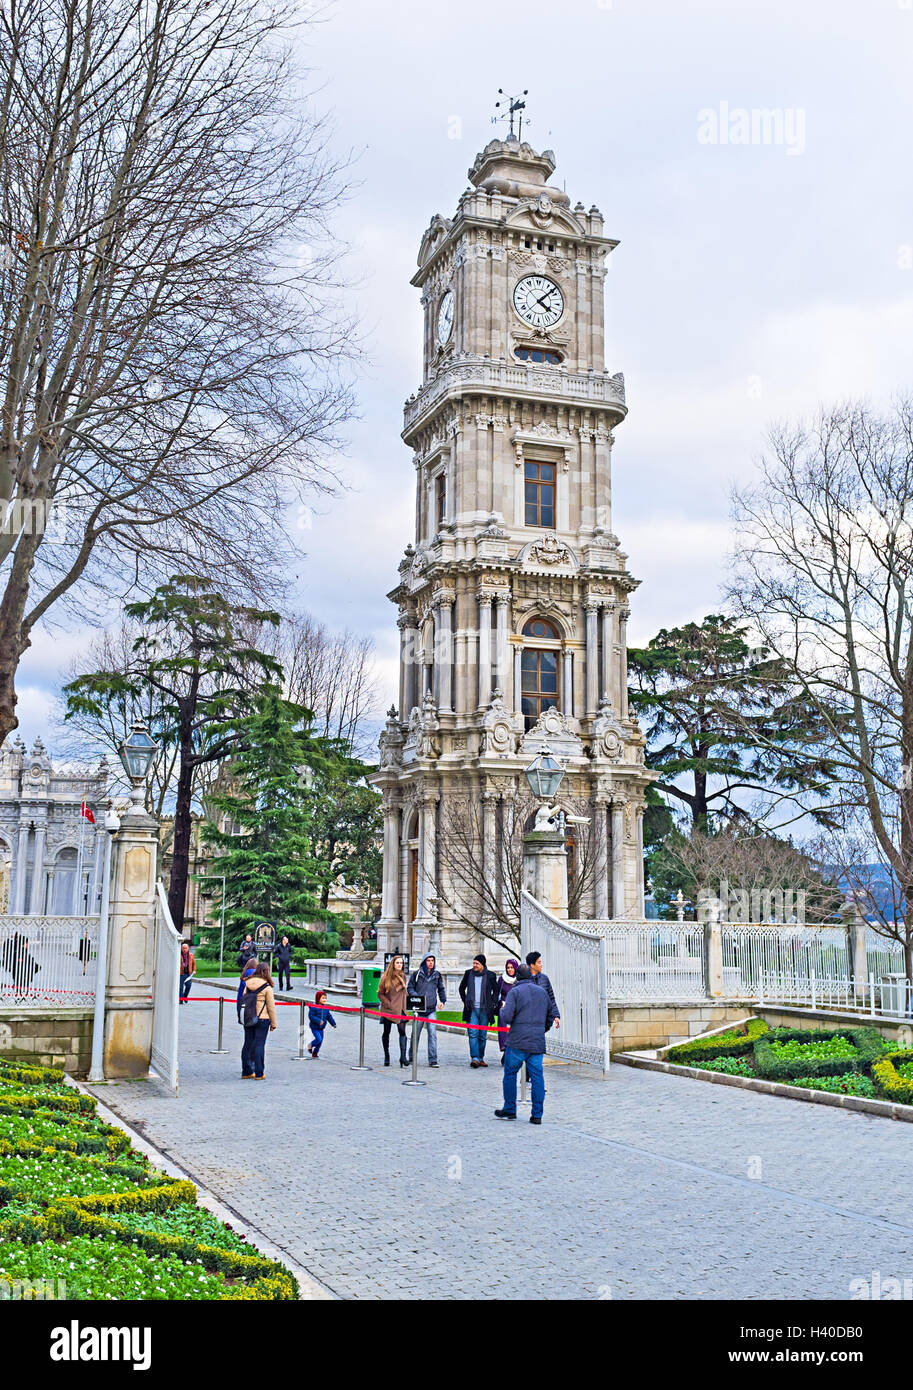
column 530, row 1013
column 479, row 993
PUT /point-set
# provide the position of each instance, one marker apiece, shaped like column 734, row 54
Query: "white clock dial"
column 538, row 301
column 445, row 318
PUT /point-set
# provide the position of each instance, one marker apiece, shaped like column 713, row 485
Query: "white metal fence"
column 753, row 953
column 576, row 966
column 165, row 1001
column 48, row 962
column 887, row 996
column 652, row 960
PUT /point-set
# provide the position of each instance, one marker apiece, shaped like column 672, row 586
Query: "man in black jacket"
column 530, row 1013
column 534, row 961
column 479, row 993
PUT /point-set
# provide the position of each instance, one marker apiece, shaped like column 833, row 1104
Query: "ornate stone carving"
column 550, row 551
column 391, row 741
column 500, row 729
column 553, row 728
column 608, row 736
column 429, row 728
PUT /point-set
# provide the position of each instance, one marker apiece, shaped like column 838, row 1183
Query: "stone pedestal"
column 545, row 869
column 131, row 948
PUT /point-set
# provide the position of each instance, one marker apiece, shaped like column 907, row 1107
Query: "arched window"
column 538, row 627
column 539, row 671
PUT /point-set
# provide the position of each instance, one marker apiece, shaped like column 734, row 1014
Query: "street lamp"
column 544, row 774
column 97, row 1069
column 137, row 753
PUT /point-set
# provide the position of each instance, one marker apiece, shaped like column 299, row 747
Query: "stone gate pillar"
column 545, row 869
column 131, row 947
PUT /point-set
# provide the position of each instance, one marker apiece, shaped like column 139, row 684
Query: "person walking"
column 391, row 999
column 534, row 961
column 479, row 993
column 429, row 983
column 318, row 1017
column 506, row 983
column 259, row 1012
column 188, row 970
column 530, row 1012
column 284, row 962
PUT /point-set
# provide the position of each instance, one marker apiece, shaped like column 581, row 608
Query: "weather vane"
column 515, row 107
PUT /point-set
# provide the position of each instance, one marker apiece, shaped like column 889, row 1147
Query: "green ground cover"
column 79, row 1205
column 843, row 1061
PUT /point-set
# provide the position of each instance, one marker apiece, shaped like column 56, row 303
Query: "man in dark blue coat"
column 529, row 1012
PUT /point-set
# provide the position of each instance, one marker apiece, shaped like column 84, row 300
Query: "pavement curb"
column 887, row 1109
column 311, row 1288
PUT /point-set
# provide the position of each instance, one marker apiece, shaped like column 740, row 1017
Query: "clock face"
column 538, row 301
column 445, row 318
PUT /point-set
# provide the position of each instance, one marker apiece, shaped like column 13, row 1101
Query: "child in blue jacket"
column 318, row 1017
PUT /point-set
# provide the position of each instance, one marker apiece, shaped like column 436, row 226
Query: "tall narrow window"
column 540, row 493
column 440, row 497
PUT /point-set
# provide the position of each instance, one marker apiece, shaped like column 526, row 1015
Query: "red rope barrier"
column 347, row 1009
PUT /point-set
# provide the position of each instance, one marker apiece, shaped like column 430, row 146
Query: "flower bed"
column 845, row 1061
column 79, row 1205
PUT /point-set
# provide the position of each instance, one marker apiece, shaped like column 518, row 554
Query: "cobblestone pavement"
column 640, row 1186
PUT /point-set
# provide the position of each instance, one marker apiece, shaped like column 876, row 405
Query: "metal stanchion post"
column 300, row 1056
column 218, row 1047
column 414, row 1081
column 523, row 1100
column 361, row 1044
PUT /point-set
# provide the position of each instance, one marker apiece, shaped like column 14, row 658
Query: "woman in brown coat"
column 258, row 1012
column 391, row 999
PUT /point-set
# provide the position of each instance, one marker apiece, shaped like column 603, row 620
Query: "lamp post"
column 544, row 854
column 137, row 753
column 97, row 1071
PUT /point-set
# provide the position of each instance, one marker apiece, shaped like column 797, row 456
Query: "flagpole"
column 77, row 896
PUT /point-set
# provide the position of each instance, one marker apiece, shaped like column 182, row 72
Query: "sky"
column 753, row 281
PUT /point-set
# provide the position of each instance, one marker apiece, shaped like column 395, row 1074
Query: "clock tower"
column 513, row 594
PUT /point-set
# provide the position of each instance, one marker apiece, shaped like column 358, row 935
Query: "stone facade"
column 50, row 855
column 515, row 584
column 58, row 1038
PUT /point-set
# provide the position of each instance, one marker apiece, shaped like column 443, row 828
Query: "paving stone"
column 644, row 1185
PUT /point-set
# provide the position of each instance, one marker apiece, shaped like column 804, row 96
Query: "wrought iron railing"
column 47, row 962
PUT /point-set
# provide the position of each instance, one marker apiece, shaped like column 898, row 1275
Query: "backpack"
column 250, row 1006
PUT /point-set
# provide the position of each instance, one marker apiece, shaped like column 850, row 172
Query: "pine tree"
column 266, row 852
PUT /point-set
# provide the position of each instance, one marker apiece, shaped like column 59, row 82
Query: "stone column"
column 484, row 650
column 489, row 869
column 601, row 895
column 389, row 909
column 592, row 661
column 608, row 650
column 618, row 859
column 17, row 906
column 426, row 857
column 131, row 948
column 502, row 672
column 639, row 876
column 623, row 663
column 36, row 903
column 516, row 703
column 567, row 681
column 443, row 641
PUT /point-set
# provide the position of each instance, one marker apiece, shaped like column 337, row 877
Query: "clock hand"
column 547, row 295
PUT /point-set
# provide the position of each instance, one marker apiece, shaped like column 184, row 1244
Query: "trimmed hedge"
column 731, row 1044
column 891, row 1085
column 867, row 1042
column 65, row 1123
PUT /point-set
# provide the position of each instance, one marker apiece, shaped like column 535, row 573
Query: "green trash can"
column 370, row 979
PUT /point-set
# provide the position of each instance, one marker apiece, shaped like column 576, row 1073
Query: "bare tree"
column 170, row 340
column 481, row 860
column 825, row 574
column 332, row 674
column 767, row 873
